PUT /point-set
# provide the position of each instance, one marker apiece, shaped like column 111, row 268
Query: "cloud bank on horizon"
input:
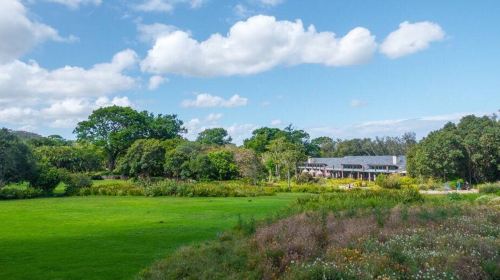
column 32, row 96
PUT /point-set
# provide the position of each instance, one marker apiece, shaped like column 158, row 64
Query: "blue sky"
column 391, row 67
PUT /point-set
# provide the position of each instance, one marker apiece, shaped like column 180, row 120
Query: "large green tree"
column 469, row 150
column 285, row 155
column 439, row 155
column 16, row 160
column 224, row 164
column 116, row 128
column 214, row 136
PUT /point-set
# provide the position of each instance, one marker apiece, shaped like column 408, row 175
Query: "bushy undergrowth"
column 15, row 193
column 358, row 198
column 113, row 188
column 176, row 188
column 205, row 189
column 76, row 182
column 493, row 188
column 384, row 234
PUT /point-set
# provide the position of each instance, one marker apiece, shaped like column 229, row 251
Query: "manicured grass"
column 112, row 237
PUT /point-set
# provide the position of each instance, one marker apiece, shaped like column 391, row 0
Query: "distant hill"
column 25, row 135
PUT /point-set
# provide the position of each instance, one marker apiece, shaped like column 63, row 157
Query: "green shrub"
column 11, row 193
column 114, row 189
column 205, row 189
column 75, row 182
column 389, row 182
column 490, row 188
column 47, row 178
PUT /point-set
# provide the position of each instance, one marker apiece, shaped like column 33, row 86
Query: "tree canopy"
column 469, row 150
column 116, row 128
column 214, row 136
column 16, row 160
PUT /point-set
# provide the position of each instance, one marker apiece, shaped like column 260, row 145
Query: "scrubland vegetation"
column 353, row 235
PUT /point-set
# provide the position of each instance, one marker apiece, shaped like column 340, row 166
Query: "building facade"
column 357, row 167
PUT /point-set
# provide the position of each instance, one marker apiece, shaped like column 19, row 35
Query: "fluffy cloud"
column 149, row 32
column 63, row 113
column 205, row 100
column 411, row 38
column 19, row 80
column 258, row 44
column 197, row 125
column 19, row 34
column 156, row 81
column 32, row 96
column 75, row 4
column 166, row 6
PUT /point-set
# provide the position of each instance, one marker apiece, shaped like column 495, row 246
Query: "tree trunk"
column 288, row 175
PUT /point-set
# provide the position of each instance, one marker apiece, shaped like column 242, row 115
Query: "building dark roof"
column 364, row 161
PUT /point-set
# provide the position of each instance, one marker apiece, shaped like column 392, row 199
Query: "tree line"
column 137, row 144
column 469, row 150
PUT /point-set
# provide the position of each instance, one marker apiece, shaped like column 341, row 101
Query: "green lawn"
column 111, row 237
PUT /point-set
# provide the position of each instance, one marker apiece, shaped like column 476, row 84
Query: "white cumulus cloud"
column 205, row 100
column 20, row 80
column 19, row 34
column 411, row 38
column 257, row 44
column 149, row 32
column 32, row 96
column 156, row 81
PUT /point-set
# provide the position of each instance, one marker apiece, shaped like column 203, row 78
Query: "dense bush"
column 144, row 158
column 46, row 179
column 79, row 157
column 76, row 182
column 16, row 160
column 13, row 193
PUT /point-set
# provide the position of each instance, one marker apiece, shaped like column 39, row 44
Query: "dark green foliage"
column 214, row 136
column 16, row 160
column 116, row 128
column 76, row 182
column 223, row 164
column 145, row 158
column 46, row 179
column 468, row 150
column 80, row 157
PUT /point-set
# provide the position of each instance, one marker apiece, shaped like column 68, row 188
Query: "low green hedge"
column 13, row 193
